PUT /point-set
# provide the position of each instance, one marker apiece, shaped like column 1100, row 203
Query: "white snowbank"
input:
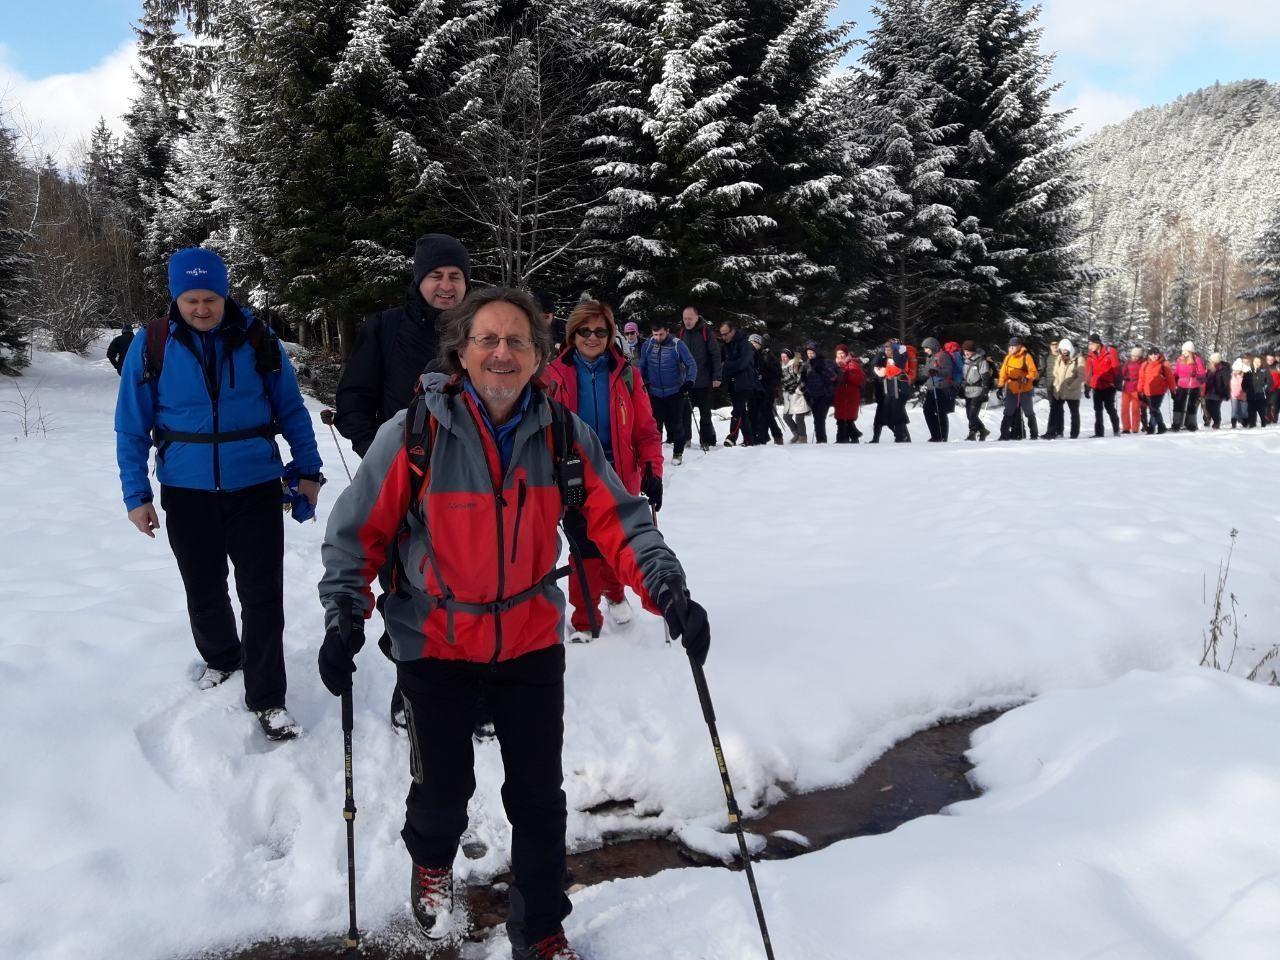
column 856, row 595
column 1133, row 821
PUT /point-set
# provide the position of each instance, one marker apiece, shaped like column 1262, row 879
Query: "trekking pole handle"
column 348, row 713
column 704, row 693
column 326, row 417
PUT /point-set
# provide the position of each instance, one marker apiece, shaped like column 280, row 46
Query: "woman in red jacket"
column 593, row 379
column 848, row 395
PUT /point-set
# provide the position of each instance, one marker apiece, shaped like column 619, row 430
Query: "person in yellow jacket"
column 1018, row 376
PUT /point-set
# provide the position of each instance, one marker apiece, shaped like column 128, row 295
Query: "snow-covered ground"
column 856, row 594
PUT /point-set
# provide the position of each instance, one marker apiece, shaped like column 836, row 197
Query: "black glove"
column 1000, row 394
column 685, row 388
column 651, row 487
column 338, row 652
column 687, row 620
column 1088, row 392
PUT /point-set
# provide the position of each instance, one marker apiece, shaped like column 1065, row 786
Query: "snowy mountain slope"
column 1211, row 157
column 855, row 593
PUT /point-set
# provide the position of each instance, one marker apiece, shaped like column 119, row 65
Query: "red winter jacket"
column 849, row 390
column 1102, row 368
column 635, row 433
column 1131, row 371
column 493, row 535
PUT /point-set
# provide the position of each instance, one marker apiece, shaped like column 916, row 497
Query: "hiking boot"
column 211, row 677
column 554, row 947
column 484, row 731
column 677, row 460
column 582, row 636
column 398, row 719
column 277, row 724
column 620, row 612
column 431, row 896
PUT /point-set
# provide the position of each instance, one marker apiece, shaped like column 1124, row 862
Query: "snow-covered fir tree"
column 1026, row 275
column 154, row 122
column 925, row 248
column 15, row 263
column 1264, row 295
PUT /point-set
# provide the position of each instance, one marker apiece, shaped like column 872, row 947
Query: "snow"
column 856, row 594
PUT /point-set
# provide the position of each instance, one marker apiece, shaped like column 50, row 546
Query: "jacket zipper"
column 515, row 537
column 501, row 503
column 214, row 392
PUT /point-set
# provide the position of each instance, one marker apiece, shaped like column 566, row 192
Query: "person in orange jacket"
column 1132, row 415
column 1017, row 378
column 1154, row 382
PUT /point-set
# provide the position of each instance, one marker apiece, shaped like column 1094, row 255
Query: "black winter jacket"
column 704, row 346
column 392, row 350
column 1217, row 383
column 820, row 379
column 740, row 364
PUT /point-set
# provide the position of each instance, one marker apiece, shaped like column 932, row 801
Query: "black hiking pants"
column 526, row 697
column 1104, row 398
column 820, row 409
column 740, row 419
column 206, row 529
column 973, row 410
column 700, row 397
column 1213, row 406
column 1186, row 400
column 937, row 411
column 1058, row 420
column 670, row 414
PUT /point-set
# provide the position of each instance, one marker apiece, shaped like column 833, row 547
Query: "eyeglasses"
column 490, row 341
column 598, row 332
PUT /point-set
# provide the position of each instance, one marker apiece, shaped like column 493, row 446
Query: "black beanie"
column 435, row 250
column 1094, row 338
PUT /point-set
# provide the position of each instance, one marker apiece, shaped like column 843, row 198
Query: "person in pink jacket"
column 1189, row 373
column 1132, row 413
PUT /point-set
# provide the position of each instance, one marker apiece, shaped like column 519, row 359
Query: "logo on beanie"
column 197, row 272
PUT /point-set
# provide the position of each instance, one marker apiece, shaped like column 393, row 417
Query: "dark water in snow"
column 918, row 776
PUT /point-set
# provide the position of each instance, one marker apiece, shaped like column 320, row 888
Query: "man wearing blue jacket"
column 210, row 387
column 669, row 372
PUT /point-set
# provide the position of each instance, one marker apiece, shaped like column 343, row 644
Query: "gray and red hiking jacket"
column 477, row 582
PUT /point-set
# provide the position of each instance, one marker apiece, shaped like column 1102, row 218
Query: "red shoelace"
column 555, row 947
column 433, row 885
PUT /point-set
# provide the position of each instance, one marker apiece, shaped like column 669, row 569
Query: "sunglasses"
column 597, row 332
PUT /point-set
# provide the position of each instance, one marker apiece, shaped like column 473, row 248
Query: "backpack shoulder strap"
column 419, row 437
column 629, row 376
column 266, row 347
column 153, row 356
column 566, row 465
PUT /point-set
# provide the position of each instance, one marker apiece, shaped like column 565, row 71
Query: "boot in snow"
column 554, row 947
column 212, row 677
column 583, row 636
column 620, row 612
column 277, row 724
column 1032, row 427
column 431, row 895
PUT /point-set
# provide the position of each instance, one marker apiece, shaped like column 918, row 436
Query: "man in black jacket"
column 118, row 348
column 395, row 346
column 740, row 371
column 704, row 346
column 769, row 373
column 391, row 351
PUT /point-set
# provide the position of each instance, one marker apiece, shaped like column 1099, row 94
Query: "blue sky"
column 65, row 62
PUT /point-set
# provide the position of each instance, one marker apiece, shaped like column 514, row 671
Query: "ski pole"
column 349, row 814
column 709, row 714
column 326, row 417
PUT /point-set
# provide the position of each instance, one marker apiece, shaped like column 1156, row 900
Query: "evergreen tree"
column 1179, row 324
column 15, row 263
column 1265, row 294
column 1025, row 276
column 925, row 247
column 154, row 123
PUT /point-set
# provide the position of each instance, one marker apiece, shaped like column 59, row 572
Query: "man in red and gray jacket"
column 1102, row 371
column 469, row 512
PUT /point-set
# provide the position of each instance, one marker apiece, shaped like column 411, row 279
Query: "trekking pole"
column 349, row 814
column 735, row 819
column 326, row 417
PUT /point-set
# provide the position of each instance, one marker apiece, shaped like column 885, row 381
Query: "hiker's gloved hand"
column 651, row 487
column 687, row 620
column 337, row 658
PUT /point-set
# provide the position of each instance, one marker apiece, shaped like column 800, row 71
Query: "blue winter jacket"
column 593, row 397
column 204, row 387
column 666, row 366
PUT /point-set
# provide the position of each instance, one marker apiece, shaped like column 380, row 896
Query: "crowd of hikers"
column 485, row 424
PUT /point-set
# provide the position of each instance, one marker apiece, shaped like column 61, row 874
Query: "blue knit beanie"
column 197, row 269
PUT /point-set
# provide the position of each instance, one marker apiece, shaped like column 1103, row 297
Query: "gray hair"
column 459, row 320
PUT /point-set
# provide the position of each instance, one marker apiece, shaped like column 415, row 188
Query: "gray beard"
column 499, row 395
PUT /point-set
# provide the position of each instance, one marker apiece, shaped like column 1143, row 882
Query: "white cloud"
column 60, row 111
column 1095, row 108
column 1146, row 33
